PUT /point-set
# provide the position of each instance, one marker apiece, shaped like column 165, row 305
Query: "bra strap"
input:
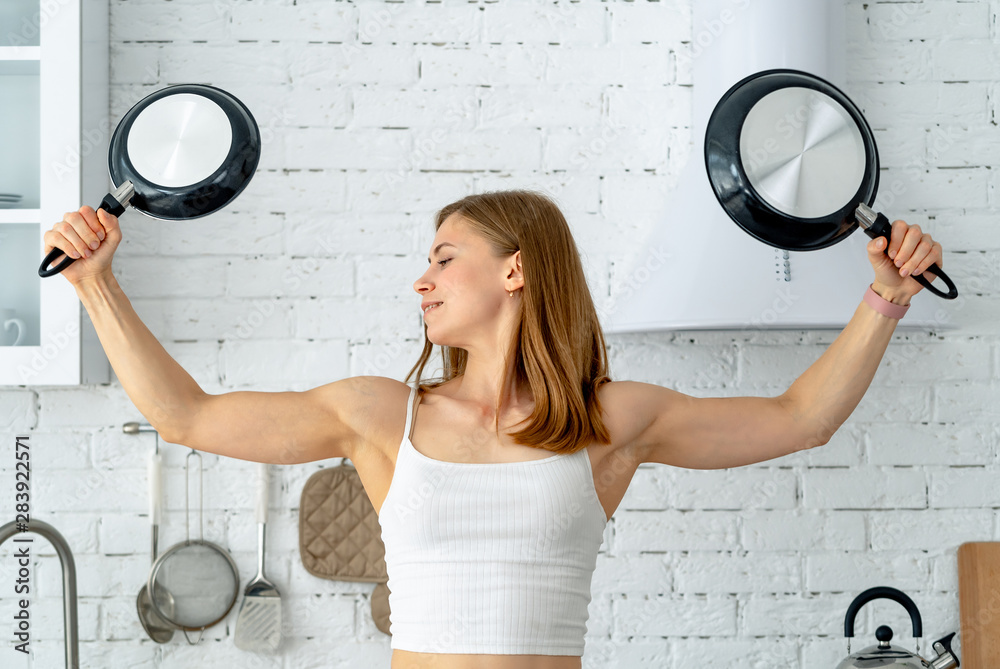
column 409, row 413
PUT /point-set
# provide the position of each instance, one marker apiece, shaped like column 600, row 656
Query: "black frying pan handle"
column 109, row 204
column 882, row 228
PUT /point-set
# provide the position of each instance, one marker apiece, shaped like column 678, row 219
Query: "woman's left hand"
column 911, row 251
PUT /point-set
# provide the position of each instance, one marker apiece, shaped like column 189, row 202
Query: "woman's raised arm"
column 714, row 433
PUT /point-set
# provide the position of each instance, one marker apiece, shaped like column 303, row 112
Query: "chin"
column 440, row 340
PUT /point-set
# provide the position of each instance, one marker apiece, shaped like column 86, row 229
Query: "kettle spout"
column 946, row 658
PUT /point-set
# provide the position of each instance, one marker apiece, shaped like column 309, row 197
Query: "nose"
column 422, row 284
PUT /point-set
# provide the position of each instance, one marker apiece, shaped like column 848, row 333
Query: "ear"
column 515, row 275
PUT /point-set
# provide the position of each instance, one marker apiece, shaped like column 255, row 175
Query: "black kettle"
column 884, row 655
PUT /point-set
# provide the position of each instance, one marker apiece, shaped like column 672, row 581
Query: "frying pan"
column 180, row 153
column 793, row 163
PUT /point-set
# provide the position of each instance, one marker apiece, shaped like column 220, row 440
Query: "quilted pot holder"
column 339, row 535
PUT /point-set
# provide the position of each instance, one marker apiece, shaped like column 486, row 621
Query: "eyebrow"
column 438, row 248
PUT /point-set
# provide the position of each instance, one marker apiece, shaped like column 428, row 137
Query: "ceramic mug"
column 8, row 322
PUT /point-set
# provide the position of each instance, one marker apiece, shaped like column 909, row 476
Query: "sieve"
column 194, row 584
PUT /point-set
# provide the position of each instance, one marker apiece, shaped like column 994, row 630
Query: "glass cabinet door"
column 20, row 23
column 20, row 174
column 53, row 89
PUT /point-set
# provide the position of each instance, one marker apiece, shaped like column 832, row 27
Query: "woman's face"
column 471, row 285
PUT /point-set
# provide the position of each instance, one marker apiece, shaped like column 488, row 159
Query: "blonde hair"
column 558, row 341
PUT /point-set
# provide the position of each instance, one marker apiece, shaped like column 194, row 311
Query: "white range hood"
column 698, row 269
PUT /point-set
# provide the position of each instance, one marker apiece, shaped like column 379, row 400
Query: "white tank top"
column 492, row 558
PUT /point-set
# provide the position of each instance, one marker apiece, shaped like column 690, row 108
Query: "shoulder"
column 628, row 408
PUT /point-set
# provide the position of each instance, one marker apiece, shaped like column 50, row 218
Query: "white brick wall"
column 374, row 115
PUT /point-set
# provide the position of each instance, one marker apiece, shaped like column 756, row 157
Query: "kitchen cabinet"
column 54, row 135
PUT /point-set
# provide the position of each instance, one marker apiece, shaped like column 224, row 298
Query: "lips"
column 432, row 306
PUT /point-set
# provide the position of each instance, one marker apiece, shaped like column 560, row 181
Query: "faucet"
column 69, row 581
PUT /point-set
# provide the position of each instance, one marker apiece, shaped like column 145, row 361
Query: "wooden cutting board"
column 979, row 604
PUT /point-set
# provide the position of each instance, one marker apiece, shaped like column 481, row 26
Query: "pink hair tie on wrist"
column 884, row 306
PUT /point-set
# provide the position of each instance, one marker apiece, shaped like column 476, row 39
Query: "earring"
column 512, row 293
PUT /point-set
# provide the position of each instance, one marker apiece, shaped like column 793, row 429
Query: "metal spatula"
column 258, row 627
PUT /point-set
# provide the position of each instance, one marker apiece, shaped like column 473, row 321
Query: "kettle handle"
column 882, row 592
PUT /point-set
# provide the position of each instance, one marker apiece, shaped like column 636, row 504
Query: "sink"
column 69, row 581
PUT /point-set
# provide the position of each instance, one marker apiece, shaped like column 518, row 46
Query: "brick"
column 902, row 529
column 701, row 573
column 723, row 653
column 71, row 408
column 855, row 571
column 973, row 145
column 392, row 359
column 481, row 150
column 963, row 487
column 901, row 146
column 454, row 108
column 665, row 23
column 334, row 148
column 125, row 534
column 925, row 103
column 545, row 23
column 226, row 232
column 145, row 22
column 964, row 60
column 869, row 488
column 554, row 107
column 148, row 277
column 300, row 277
column 263, row 364
column 490, row 65
column 647, row 106
column 636, row 575
column 937, row 360
column 778, row 365
column 314, row 105
column 647, row 65
column 696, row 367
column 18, row 412
column 325, row 65
column 236, row 319
column 296, row 192
column 299, row 21
column 649, row 490
column 928, row 20
column 626, row 652
column 382, row 318
column 965, row 402
column 892, row 61
column 736, row 489
column 380, row 23
column 675, row 530
column 388, row 193
column 675, row 616
column 342, row 239
column 803, row 530
column 223, row 64
column 931, row 444
column 791, row 615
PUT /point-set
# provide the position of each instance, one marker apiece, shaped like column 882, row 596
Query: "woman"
column 494, row 483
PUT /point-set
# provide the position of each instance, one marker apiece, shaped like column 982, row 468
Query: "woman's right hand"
column 75, row 234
